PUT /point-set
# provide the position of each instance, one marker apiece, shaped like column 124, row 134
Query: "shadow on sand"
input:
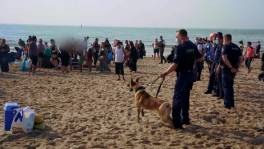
column 224, row 134
column 47, row 134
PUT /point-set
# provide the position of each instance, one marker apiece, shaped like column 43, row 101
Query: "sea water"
column 13, row 32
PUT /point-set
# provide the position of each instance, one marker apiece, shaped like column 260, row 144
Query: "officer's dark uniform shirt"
column 233, row 53
column 185, row 56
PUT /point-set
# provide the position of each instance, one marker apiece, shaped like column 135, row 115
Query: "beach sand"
column 93, row 110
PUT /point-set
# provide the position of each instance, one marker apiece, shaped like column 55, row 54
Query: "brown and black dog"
column 146, row 101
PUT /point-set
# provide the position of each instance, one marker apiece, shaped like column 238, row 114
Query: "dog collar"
column 141, row 88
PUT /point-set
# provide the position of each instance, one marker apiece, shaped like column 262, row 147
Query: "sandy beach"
column 94, row 110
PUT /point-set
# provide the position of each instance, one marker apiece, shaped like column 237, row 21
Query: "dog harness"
column 140, row 89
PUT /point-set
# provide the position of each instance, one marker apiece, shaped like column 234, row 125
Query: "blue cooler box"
column 9, row 109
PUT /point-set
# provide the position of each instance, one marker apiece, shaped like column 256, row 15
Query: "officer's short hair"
column 183, row 32
column 228, row 37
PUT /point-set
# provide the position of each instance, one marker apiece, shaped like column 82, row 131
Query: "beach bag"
column 25, row 65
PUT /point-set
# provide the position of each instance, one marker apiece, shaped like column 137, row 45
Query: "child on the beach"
column 249, row 55
column 119, row 60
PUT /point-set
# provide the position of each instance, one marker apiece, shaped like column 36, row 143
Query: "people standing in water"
column 33, row 53
column 186, row 56
column 249, row 55
column 231, row 60
column 155, row 46
column 161, row 50
column 133, row 57
column 96, row 48
column 119, row 55
column 4, row 49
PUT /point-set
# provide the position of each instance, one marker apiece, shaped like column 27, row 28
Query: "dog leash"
column 159, row 87
column 154, row 81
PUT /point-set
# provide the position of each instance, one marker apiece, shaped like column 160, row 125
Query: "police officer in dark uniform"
column 231, row 58
column 218, row 71
column 184, row 60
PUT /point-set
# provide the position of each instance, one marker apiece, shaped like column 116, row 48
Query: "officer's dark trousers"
column 228, row 82
column 211, row 84
column 180, row 107
column 219, row 85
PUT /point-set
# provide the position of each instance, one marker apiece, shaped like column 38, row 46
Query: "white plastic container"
column 24, row 118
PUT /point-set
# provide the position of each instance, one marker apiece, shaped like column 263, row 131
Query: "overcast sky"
column 136, row 13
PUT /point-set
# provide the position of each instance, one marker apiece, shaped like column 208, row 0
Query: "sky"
column 240, row 14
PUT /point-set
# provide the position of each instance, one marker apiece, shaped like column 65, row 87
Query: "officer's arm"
column 171, row 69
column 227, row 62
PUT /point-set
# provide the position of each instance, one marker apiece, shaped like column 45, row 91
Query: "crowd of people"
column 74, row 53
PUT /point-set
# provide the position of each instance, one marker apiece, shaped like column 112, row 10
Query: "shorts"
column 119, row 68
column 34, row 60
column 156, row 50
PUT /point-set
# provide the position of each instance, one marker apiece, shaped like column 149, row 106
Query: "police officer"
column 210, row 57
column 232, row 58
column 218, row 71
column 184, row 61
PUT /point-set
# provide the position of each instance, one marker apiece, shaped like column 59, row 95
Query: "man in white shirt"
column 119, row 60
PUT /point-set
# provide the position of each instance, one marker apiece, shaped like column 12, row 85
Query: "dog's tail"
column 164, row 112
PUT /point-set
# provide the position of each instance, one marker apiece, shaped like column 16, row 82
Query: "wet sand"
column 94, row 110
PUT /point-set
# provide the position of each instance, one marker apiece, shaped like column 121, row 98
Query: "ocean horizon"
column 13, row 32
